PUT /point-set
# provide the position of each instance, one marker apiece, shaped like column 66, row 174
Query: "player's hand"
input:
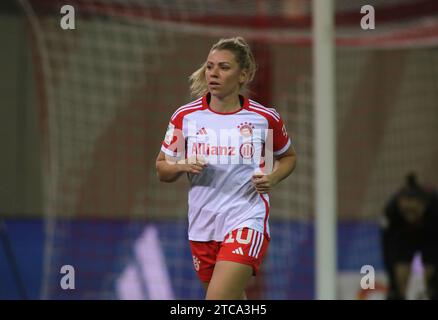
column 262, row 182
column 195, row 165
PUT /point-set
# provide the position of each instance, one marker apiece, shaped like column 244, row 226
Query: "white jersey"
column 235, row 145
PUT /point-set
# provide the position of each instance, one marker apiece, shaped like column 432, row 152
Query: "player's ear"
column 243, row 78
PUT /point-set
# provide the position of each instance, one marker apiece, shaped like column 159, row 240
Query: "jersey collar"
column 244, row 103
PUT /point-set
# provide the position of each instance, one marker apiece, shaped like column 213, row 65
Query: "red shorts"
column 242, row 245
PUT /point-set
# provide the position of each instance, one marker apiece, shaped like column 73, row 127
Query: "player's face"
column 223, row 74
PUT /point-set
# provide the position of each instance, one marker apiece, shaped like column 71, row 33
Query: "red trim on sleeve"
column 280, row 138
column 177, row 144
column 265, row 222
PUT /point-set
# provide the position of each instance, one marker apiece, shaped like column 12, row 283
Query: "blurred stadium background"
column 84, row 111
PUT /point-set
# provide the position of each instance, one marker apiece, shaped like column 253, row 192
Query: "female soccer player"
column 223, row 142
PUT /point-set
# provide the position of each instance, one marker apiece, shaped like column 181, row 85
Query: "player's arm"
column 169, row 169
column 284, row 166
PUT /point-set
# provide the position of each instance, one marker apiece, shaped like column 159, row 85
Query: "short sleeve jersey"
column 235, row 145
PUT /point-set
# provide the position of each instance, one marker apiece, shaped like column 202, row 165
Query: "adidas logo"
column 238, row 251
column 202, row 131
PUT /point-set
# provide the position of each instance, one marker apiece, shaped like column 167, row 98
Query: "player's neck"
column 226, row 104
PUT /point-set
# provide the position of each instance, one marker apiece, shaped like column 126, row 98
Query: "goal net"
column 107, row 89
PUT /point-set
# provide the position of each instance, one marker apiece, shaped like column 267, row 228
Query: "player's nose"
column 214, row 72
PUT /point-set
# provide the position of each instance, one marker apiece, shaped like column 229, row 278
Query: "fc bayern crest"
column 246, row 129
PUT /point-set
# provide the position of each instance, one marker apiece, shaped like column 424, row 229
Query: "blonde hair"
column 243, row 55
